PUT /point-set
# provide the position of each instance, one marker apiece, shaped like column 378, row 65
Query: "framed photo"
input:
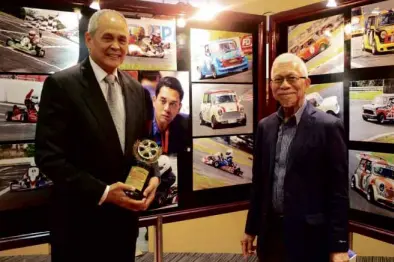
column 371, row 110
column 22, row 184
column 222, row 109
column 221, row 56
column 327, row 97
column 222, row 161
column 371, row 176
column 373, row 39
column 320, row 44
column 38, row 40
column 152, row 45
column 20, row 97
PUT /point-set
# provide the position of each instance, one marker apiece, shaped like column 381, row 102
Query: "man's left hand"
column 150, row 191
column 339, row 257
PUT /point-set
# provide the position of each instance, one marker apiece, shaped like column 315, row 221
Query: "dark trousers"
column 271, row 247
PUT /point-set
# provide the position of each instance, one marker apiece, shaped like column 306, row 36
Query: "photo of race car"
column 371, row 179
column 146, row 46
column 372, row 43
column 27, row 44
column 222, row 109
column 223, row 162
column 371, row 111
column 327, row 98
column 320, row 44
column 220, row 161
column 221, row 56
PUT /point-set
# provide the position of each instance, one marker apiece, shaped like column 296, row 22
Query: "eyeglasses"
column 289, row 79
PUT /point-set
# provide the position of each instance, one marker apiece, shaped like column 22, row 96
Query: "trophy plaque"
column 147, row 153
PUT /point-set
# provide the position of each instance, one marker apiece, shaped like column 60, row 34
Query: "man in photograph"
column 299, row 199
column 90, row 117
column 169, row 125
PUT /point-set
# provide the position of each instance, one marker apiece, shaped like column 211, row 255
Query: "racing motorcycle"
column 223, row 164
column 34, row 50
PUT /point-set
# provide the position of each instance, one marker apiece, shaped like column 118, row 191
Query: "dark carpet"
column 182, row 257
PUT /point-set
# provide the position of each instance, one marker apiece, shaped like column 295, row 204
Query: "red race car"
column 19, row 114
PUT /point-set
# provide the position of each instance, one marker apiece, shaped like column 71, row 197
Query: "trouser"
column 271, row 247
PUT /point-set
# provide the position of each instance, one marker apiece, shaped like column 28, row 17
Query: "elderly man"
column 90, row 117
column 299, row 200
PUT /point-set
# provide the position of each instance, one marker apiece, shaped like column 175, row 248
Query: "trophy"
column 147, row 153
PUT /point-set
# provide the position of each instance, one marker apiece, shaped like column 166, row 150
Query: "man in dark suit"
column 90, row 116
column 299, row 201
column 169, row 126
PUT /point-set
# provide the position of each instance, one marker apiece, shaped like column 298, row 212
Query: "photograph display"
column 222, row 161
column 371, row 110
column 371, row 179
column 372, row 42
column 38, row 40
column 220, row 109
column 174, row 140
column 22, row 184
column 320, row 44
column 152, row 45
column 327, row 97
column 221, row 56
column 19, row 104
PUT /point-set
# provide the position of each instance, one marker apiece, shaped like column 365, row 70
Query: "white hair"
column 291, row 58
column 93, row 21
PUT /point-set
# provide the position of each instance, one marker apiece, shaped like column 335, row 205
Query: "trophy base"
column 136, row 195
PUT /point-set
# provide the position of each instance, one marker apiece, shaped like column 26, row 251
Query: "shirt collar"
column 297, row 115
column 100, row 73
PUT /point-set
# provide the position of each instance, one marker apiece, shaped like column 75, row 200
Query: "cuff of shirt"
column 104, row 197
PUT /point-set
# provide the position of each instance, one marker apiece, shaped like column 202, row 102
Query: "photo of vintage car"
column 381, row 109
column 329, row 104
column 312, row 47
column 357, row 21
column 221, row 107
column 379, row 33
column 374, row 177
column 221, row 58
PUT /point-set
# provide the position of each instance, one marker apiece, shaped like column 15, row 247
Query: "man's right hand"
column 247, row 245
column 117, row 196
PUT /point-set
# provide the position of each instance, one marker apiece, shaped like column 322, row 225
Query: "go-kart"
column 32, row 179
column 19, row 114
column 222, row 164
column 35, row 50
column 145, row 48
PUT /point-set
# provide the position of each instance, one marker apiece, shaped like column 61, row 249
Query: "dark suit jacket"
column 77, row 146
column 315, row 188
column 178, row 134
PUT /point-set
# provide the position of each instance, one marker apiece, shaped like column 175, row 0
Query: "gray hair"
column 93, row 21
column 288, row 58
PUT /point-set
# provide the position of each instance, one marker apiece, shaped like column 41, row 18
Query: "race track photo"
column 206, row 175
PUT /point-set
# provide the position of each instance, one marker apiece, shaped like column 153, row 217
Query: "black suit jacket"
column 77, row 146
column 178, row 134
column 315, row 188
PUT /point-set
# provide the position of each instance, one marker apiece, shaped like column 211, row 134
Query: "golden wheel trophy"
column 147, row 153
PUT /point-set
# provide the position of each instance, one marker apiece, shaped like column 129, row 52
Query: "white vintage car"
column 221, row 107
column 329, row 104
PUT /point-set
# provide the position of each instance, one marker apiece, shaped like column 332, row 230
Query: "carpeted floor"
column 182, row 257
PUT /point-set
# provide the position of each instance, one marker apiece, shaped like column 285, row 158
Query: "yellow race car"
column 378, row 35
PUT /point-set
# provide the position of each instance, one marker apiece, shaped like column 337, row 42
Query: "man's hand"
column 339, row 257
column 117, row 196
column 150, row 191
column 247, row 245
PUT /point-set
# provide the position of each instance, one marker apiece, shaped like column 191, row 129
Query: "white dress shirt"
column 100, row 76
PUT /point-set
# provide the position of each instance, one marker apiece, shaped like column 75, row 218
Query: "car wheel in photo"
column 216, row 164
column 323, row 47
column 374, row 51
column 214, row 123
column 370, row 195
column 353, row 183
column 243, row 122
column 202, row 122
column 365, row 118
column 331, row 113
column 381, row 119
column 214, row 74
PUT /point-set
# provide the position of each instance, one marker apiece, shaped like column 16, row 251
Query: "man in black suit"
column 169, row 126
column 299, row 201
column 90, row 117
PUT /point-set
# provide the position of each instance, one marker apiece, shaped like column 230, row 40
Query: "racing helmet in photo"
column 229, row 152
column 32, row 34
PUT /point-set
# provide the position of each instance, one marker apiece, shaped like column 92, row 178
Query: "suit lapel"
column 130, row 103
column 95, row 101
column 302, row 136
